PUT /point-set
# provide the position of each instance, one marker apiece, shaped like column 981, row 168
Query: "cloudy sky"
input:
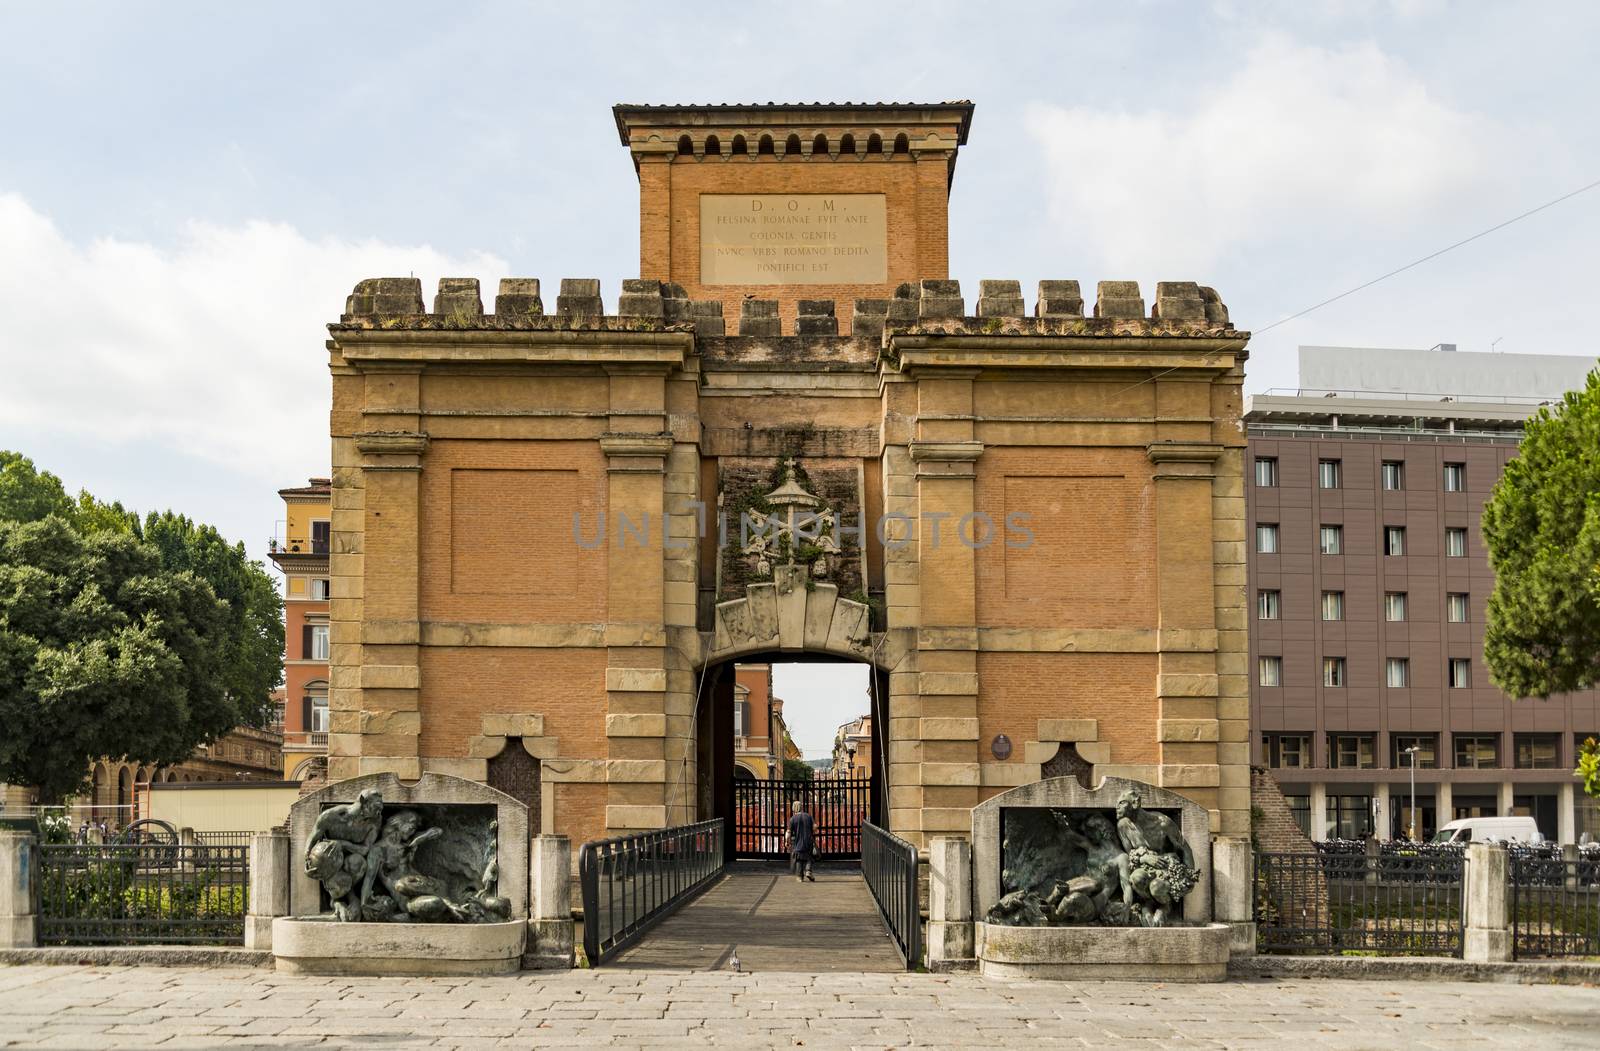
column 189, row 190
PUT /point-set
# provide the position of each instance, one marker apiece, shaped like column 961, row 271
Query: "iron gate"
column 838, row 806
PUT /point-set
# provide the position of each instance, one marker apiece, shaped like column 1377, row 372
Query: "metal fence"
column 126, row 894
column 1554, row 905
column 1401, row 904
column 224, row 839
column 838, row 806
column 889, row 865
column 633, row 882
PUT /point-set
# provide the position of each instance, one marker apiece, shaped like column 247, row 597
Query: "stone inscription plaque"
column 793, row 239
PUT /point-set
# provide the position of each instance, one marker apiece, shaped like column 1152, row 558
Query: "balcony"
column 297, row 545
column 306, row 740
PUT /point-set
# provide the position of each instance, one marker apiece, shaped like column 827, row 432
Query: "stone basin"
column 323, row 945
column 1195, row 953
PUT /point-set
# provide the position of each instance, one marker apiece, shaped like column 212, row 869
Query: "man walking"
column 801, row 843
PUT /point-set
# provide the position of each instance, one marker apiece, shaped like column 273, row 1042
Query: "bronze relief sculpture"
column 1074, row 867
column 379, row 866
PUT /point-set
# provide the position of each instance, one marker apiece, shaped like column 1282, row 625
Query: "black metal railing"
column 1393, row 904
column 127, row 894
column 224, row 839
column 838, row 806
column 633, row 882
column 1554, row 905
column 889, row 865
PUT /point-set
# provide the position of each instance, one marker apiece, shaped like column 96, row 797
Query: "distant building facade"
column 852, row 748
column 1369, row 581
column 761, row 740
column 299, row 548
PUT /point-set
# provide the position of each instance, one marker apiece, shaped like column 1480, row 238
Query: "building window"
column 1333, row 605
column 319, row 642
column 1455, row 542
column 1394, row 605
column 1426, row 755
column 1291, row 750
column 1394, row 474
column 1351, row 752
column 1349, row 817
column 319, row 590
column 1268, row 603
column 318, row 703
column 1455, row 477
column 739, row 728
column 1456, row 607
column 1267, row 472
column 1333, row 671
column 1397, row 672
column 1394, row 540
column 1267, row 539
column 319, row 537
column 1332, row 539
column 1460, row 673
column 1536, row 751
column 1477, row 751
column 1328, row 474
column 1300, row 810
column 1269, row 671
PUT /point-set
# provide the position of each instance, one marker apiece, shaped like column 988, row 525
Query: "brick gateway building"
column 1032, row 519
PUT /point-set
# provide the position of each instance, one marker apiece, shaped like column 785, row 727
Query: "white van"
column 1489, row 830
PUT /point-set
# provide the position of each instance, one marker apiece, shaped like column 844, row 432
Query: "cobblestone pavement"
column 131, row 1007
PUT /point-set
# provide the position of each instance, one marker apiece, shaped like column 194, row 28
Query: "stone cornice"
column 392, row 443
column 946, row 452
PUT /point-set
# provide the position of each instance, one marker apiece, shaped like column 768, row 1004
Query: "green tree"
column 28, row 494
column 797, row 770
column 1542, row 528
column 253, row 650
column 103, row 651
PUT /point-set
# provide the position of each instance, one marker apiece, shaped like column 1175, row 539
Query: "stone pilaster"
column 1186, row 683
column 269, row 887
column 944, row 455
column 19, row 892
column 376, row 703
column 636, row 652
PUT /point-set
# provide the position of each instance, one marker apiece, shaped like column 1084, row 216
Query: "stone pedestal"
column 19, row 904
column 550, row 930
column 323, row 945
column 1160, row 954
column 1488, row 930
column 950, row 936
column 1232, row 891
column 269, row 887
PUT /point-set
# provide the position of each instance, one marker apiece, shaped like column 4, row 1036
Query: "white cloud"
column 212, row 348
column 1299, row 141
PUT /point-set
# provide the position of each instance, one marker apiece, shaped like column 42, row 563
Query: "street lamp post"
column 1412, row 752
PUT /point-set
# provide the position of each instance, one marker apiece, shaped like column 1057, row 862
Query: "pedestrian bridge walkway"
column 772, row 922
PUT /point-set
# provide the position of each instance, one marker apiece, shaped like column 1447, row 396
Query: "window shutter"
column 305, row 714
column 305, row 642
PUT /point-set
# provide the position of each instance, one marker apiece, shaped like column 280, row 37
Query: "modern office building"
column 1369, row 581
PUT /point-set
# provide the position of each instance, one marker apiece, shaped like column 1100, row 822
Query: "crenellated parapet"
column 1179, row 308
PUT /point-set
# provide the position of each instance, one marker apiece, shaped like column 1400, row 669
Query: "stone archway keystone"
column 792, row 614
